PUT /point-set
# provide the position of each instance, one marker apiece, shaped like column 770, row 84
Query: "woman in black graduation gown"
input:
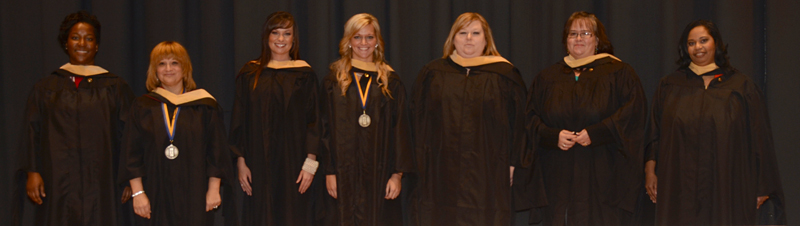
column 711, row 139
column 174, row 148
column 73, row 122
column 274, row 129
column 587, row 115
column 468, row 117
column 366, row 132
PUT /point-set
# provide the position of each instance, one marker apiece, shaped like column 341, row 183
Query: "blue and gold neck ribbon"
column 363, row 94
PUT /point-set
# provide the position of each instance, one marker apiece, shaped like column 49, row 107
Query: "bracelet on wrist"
column 137, row 193
column 310, row 166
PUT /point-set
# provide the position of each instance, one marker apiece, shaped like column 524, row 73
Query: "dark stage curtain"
column 221, row 35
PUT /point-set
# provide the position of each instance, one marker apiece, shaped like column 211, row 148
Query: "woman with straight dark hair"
column 275, row 129
column 710, row 159
column 72, row 129
column 587, row 115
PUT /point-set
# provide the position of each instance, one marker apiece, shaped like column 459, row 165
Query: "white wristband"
column 310, row 166
column 137, row 193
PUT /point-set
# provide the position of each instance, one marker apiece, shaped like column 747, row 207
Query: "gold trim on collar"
column 367, row 66
column 83, row 70
column 185, row 97
column 287, row 64
column 476, row 61
column 574, row 63
column 699, row 70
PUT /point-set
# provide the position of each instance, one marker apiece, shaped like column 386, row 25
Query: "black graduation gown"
column 363, row 159
column 714, row 150
column 469, row 128
column 72, row 137
column 176, row 188
column 597, row 184
column 274, row 128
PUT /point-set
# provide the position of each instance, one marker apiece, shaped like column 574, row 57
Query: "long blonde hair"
column 342, row 66
column 165, row 50
column 462, row 21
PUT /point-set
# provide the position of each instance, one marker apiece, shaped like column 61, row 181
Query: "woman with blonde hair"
column 468, row 112
column 274, row 128
column 175, row 148
column 366, row 135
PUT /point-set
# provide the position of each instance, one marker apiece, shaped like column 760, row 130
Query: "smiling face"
column 470, row 40
column 701, row 46
column 582, row 44
column 280, row 43
column 363, row 43
column 81, row 44
column 170, row 72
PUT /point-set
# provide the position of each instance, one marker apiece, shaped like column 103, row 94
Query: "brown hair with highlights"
column 167, row 50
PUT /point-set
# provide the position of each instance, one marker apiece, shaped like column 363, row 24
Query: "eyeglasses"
column 584, row 34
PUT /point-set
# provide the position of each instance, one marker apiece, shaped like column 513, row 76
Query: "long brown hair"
column 166, row 50
column 276, row 20
column 462, row 21
column 342, row 66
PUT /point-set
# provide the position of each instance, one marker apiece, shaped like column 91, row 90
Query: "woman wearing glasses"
column 586, row 119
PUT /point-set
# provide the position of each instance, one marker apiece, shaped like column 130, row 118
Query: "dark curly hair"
column 74, row 18
column 720, row 55
column 603, row 44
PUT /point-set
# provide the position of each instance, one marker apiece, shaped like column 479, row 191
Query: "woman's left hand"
column 583, row 138
column 393, row 186
column 213, row 200
column 760, row 200
column 304, row 179
column 330, row 183
column 126, row 194
column 511, row 179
